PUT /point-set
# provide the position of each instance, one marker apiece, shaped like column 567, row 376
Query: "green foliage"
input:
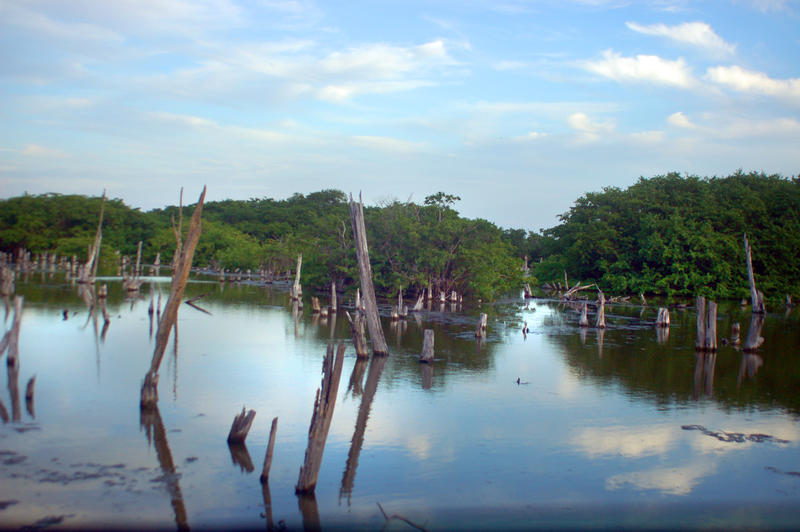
column 678, row 235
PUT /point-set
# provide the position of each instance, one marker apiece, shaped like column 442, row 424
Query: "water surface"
column 561, row 427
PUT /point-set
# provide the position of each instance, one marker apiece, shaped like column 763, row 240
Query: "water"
column 614, row 428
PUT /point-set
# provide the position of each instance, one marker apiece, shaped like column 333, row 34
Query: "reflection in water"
column 296, row 317
column 241, row 456
column 749, row 366
column 373, row 376
column 267, row 503
column 704, row 373
column 583, row 332
column 150, row 419
column 29, row 406
column 307, row 503
column 427, row 376
column 601, row 334
column 662, row 335
column 357, row 377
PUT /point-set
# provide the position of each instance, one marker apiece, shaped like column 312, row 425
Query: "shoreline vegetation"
column 672, row 235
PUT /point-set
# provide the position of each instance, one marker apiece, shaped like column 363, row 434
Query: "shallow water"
column 608, row 428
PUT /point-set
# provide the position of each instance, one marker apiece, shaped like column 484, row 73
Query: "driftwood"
column 357, row 330
column 480, row 329
column 584, row 320
column 149, row 394
column 399, row 517
column 427, row 346
column 756, row 297
column 270, row 450
column 321, row 420
column 575, row 289
column 706, row 325
column 663, row 317
column 754, row 338
column 241, row 426
column 365, row 274
column 601, row 311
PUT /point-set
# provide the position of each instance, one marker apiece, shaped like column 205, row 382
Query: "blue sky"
column 518, row 107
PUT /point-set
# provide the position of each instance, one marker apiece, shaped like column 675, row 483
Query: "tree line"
column 667, row 235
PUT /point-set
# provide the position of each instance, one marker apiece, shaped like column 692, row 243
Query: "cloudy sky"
column 516, row 106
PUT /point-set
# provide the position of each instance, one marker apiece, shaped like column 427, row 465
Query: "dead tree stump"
column 480, row 330
column 365, row 274
column 149, row 394
column 601, row 312
column 706, row 325
column 756, row 297
column 270, row 450
column 427, row 347
column 357, row 330
column 241, row 426
column 663, row 317
column 584, row 320
column 321, row 420
column 754, row 338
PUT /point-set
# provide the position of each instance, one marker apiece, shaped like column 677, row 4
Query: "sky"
column 517, row 107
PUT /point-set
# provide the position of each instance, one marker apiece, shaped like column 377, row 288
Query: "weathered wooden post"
column 365, row 274
column 357, row 330
column 149, row 394
column 297, row 290
column 663, row 317
column 241, row 426
column 321, row 420
column 427, row 347
column 584, row 320
column 706, row 325
column 756, row 297
column 754, row 338
column 270, row 449
column 480, row 330
column 601, row 311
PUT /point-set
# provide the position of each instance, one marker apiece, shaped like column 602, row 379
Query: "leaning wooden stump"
column 270, row 449
column 241, row 426
column 149, row 393
column 756, row 297
column 321, row 420
column 427, row 347
column 297, row 290
column 10, row 339
column 365, row 275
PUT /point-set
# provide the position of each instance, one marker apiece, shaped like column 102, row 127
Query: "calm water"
column 607, row 428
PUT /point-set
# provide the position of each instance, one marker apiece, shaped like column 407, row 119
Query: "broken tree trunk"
column 270, row 449
column 365, row 272
column 241, row 426
column 418, row 305
column 90, row 269
column 297, row 290
column 333, row 296
column 601, row 312
column 149, row 395
column 663, row 317
column 427, row 347
column 10, row 339
column 480, row 330
column 584, row 321
column 756, row 297
column 706, row 325
column 754, row 338
column 321, row 420
column 357, row 329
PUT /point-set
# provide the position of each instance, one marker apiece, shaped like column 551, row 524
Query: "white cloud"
column 590, row 131
column 697, row 34
column 36, row 150
column 647, row 137
column 680, row 120
column 387, row 144
column 669, row 480
column 385, row 61
column 341, row 93
column 740, row 79
column 642, row 68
